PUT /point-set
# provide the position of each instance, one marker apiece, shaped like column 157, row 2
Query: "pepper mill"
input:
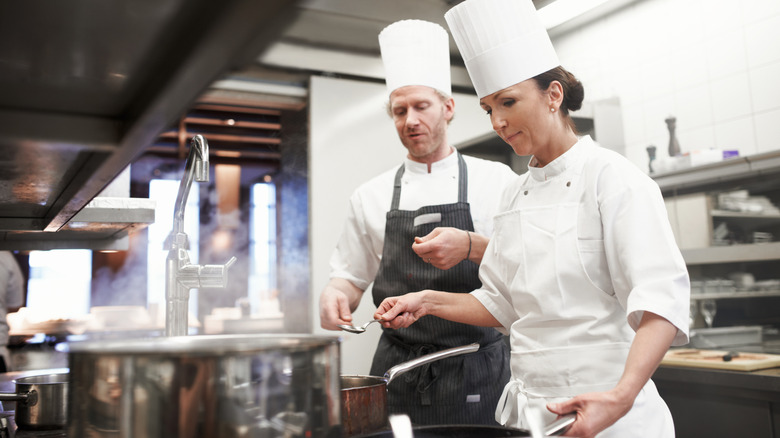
column 651, row 156
column 674, row 145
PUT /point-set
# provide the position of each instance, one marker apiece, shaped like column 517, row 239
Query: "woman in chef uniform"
column 582, row 271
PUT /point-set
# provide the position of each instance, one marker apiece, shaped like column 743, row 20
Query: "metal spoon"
column 353, row 329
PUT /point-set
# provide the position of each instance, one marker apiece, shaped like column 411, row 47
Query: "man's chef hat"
column 416, row 52
column 503, row 42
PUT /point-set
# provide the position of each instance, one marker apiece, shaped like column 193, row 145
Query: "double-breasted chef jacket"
column 582, row 249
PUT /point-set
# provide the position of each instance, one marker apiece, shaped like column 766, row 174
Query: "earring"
column 552, row 110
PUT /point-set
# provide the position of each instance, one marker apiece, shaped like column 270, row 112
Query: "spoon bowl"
column 358, row 329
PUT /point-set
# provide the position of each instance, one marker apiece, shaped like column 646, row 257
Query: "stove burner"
column 8, row 429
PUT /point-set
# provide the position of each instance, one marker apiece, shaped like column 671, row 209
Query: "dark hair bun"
column 573, row 92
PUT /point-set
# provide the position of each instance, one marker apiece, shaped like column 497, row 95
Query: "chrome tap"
column 180, row 275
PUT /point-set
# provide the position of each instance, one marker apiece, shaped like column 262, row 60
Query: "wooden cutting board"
column 689, row 357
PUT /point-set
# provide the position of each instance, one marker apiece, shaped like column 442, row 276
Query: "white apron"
column 571, row 335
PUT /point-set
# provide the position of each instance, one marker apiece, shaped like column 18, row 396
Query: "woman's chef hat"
column 416, row 52
column 503, row 42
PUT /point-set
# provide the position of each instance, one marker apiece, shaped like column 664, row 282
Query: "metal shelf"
column 759, row 169
column 735, row 295
column 732, row 254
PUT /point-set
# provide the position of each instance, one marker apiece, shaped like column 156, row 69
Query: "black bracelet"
column 469, row 253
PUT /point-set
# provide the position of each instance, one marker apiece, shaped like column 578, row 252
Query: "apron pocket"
column 593, row 259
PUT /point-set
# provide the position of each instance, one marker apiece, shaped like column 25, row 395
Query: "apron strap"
column 463, row 183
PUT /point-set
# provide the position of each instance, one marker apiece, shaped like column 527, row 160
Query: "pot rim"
column 209, row 345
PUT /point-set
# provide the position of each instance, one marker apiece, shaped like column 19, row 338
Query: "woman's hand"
column 403, row 311
column 595, row 412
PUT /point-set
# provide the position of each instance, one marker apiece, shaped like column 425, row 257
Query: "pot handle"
column 403, row 367
column 30, row 398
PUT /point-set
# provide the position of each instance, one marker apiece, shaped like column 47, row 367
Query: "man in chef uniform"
column 423, row 224
column 11, row 299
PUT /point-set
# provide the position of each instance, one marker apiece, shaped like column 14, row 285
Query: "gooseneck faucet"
column 180, row 274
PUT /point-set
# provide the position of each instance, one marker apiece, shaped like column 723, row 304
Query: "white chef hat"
column 416, row 52
column 502, row 42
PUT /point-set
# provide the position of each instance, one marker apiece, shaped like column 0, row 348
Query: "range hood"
column 88, row 85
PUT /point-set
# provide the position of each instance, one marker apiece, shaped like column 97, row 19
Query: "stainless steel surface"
column 40, row 401
column 359, row 329
column 364, row 398
column 401, row 368
column 180, row 274
column 87, row 86
column 206, row 386
column 560, row 426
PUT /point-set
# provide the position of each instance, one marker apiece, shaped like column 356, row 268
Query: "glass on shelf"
column 708, row 310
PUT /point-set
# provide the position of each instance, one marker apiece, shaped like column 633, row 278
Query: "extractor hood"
column 87, row 85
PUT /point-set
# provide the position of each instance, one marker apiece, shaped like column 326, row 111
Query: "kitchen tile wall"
column 712, row 64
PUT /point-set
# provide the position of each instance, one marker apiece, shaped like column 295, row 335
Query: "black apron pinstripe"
column 458, row 390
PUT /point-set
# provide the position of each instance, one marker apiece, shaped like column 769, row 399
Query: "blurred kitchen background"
column 99, row 103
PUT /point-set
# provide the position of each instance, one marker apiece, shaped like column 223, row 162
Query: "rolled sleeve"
column 649, row 273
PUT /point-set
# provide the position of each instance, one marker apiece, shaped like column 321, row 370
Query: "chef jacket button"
column 526, row 192
column 568, row 183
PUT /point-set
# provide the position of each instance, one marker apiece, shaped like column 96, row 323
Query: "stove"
column 8, row 429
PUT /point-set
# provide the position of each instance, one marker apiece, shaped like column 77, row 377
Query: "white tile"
column 762, row 41
column 720, row 16
column 767, row 131
column 656, row 111
column 633, row 124
column 730, row 97
column 737, row 134
column 696, row 139
column 756, row 10
column 726, row 54
column 694, row 106
column 690, row 66
column 626, row 84
column 765, row 87
column 657, row 76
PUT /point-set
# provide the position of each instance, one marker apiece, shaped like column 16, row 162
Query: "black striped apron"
column 458, row 390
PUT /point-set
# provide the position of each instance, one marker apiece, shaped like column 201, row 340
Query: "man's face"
column 421, row 119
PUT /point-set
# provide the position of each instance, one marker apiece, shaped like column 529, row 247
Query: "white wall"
column 713, row 64
column 352, row 139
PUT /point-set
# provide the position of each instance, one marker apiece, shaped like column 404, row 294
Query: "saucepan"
column 41, row 401
column 364, row 398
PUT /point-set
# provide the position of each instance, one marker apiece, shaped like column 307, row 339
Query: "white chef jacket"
column 623, row 246
column 359, row 249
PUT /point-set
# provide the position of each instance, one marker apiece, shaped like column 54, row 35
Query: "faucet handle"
column 215, row 275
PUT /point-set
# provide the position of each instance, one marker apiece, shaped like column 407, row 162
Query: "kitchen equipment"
column 364, row 398
column 555, row 428
column 41, row 401
column 180, row 274
column 455, row 431
column 726, row 337
column 689, row 357
column 359, row 329
column 205, row 386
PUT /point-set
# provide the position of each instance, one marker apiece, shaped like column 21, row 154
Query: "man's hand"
column 337, row 302
column 444, row 247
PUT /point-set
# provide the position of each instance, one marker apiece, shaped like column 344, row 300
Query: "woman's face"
column 521, row 116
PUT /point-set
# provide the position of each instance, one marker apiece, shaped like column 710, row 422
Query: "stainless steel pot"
column 205, row 386
column 364, row 398
column 40, row 401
